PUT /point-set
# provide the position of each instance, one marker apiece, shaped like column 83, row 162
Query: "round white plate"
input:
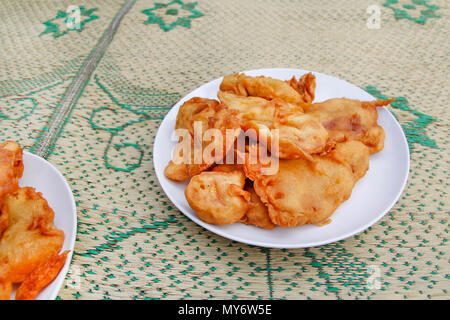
column 372, row 197
column 45, row 178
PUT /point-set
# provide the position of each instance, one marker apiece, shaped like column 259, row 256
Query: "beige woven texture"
column 132, row 242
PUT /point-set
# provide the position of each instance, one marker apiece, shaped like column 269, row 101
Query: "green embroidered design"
column 17, row 109
column 63, row 22
column 115, row 119
column 129, row 160
column 172, row 14
column 405, row 11
column 118, row 235
column 57, row 75
column 414, row 130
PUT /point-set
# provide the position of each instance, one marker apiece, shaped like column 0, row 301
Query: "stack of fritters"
column 29, row 241
column 322, row 150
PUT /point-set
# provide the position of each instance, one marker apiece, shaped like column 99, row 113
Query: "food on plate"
column 182, row 169
column 308, row 192
column 227, row 167
column 249, row 109
column 264, row 87
column 305, row 86
column 41, row 276
column 190, row 109
column 196, row 116
column 4, row 221
column 347, row 119
column 353, row 155
column 293, row 161
column 218, row 197
column 29, row 240
column 11, row 170
column 299, row 134
column 257, row 214
column 5, row 289
column 11, row 167
column 177, row 171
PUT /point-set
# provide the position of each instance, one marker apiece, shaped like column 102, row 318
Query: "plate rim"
column 59, row 280
column 223, row 234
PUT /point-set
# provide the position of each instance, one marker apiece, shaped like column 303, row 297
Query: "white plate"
column 372, row 197
column 45, row 178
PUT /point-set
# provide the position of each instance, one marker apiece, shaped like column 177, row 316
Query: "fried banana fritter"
column 305, row 86
column 264, row 87
column 40, row 277
column 197, row 116
column 218, row 197
column 308, row 192
column 11, row 170
column 347, row 119
column 257, row 214
column 5, row 289
column 299, row 134
column 11, row 167
column 30, row 238
column 304, row 158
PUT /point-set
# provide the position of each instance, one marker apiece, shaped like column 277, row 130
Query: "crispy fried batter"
column 5, row 290
column 227, row 168
column 185, row 168
column 353, row 155
column 11, row 167
column 305, row 86
column 300, row 135
column 264, row 87
column 257, row 215
column 4, row 221
column 324, row 147
column 176, row 171
column 347, row 119
column 304, row 192
column 190, row 109
column 249, row 108
column 197, row 115
column 218, row 197
column 11, row 170
column 30, row 238
column 40, row 277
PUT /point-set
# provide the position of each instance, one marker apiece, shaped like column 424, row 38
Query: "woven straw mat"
column 90, row 100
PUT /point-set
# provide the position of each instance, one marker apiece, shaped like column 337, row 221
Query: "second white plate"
column 45, row 178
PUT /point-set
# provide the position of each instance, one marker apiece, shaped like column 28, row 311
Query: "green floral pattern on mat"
column 172, row 14
column 62, row 23
column 418, row 11
column 415, row 129
column 10, row 87
column 24, row 116
column 112, row 240
column 17, row 108
column 115, row 119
